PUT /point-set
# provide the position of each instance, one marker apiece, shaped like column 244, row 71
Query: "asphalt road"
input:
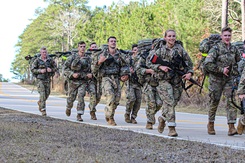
column 192, row 127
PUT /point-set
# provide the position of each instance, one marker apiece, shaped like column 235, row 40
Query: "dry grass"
column 32, row 138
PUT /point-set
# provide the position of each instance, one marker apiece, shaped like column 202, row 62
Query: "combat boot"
column 161, row 124
column 127, row 118
column 43, row 111
column 112, row 122
column 149, row 126
column 93, row 115
column 133, row 120
column 240, row 127
column 107, row 119
column 210, row 127
column 68, row 112
column 172, row 131
column 232, row 131
column 79, row 117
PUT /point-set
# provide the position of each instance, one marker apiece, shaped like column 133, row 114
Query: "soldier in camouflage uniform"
column 111, row 65
column 241, row 94
column 133, row 91
column 148, row 79
column 43, row 68
column 221, row 63
column 77, row 69
column 170, row 85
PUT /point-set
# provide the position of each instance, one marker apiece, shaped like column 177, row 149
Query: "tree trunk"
column 243, row 18
column 224, row 13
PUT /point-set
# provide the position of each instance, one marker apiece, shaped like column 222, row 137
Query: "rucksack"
column 240, row 46
column 204, row 47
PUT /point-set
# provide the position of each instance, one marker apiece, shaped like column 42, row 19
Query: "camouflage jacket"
column 219, row 57
column 39, row 64
column 112, row 66
column 241, row 85
column 77, row 64
column 184, row 64
column 133, row 80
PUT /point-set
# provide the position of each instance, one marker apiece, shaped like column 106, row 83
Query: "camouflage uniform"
column 218, row 58
column 150, row 93
column 78, row 86
column 43, row 79
column 133, row 91
column 170, row 84
column 110, row 72
column 241, row 91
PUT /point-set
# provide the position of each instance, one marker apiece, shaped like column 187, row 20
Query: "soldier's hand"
column 164, row 68
column 150, row 71
column 42, row 71
column 241, row 96
column 102, row 59
column 226, row 71
column 89, row 76
column 124, row 78
column 75, row 75
column 49, row 69
column 187, row 76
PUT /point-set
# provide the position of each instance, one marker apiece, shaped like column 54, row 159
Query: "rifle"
column 157, row 60
column 235, row 87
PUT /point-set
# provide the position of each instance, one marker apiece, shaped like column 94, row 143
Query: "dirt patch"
column 33, row 138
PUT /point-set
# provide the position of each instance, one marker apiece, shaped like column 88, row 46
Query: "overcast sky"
column 14, row 16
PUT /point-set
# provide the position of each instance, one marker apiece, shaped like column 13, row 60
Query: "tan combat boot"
column 161, row 124
column 133, row 120
column 210, row 127
column 107, row 119
column 112, row 122
column 79, row 117
column 68, row 112
column 93, row 115
column 172, row 131
column 232, row 131
column 127, row 118
column 44, row 113
column 240, row 127
column 149, row 126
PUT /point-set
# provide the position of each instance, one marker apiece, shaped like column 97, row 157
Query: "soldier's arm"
column 67, row 67
column 34, row 67
column 188, row 62
column 149, row 64
column 241, row 85
column 210, row 62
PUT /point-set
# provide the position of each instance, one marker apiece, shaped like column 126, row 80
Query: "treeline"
column 65, row 22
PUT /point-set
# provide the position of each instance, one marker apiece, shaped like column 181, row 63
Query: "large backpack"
column 204, row 47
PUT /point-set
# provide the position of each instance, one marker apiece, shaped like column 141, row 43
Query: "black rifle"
column 157, row 60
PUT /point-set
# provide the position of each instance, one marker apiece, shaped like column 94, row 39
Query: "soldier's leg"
column 230, row 109
column 150, row 110
column 72, row 94
column 80, row 98
column 47, row 91
column 130, row 100
column 109, row 93
column 166, row 93
column 137, row 103
column 215, row 92
column 92, row 100
column 41, row 91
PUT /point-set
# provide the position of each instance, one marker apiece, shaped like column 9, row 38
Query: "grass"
column 33, row 138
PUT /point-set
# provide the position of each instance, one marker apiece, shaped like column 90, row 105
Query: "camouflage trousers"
column 78, row 89
column 170, row 96
column 111, row 89
column 43, row 88
column 134, row 96
column 217, row 86
column 153, row 102
column 98, row 91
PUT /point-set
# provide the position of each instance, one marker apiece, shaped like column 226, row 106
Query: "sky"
column 15, row 15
